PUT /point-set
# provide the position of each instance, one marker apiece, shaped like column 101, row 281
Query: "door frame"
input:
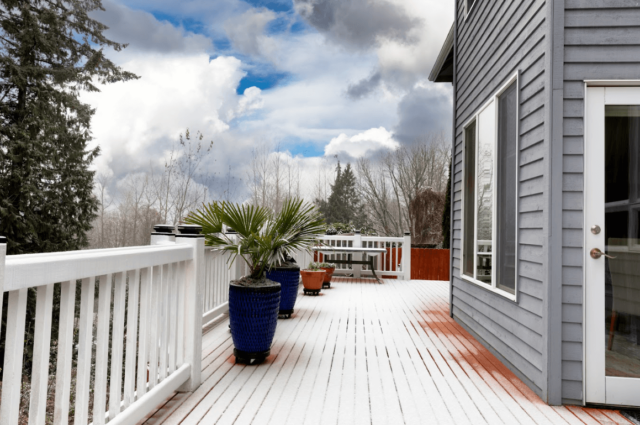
column 595, row 382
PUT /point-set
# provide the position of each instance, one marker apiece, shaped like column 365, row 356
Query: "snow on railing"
column 396, row 261
column 147, row 337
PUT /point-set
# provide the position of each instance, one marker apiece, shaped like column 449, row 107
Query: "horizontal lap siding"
column 602, row 41
column 498, row 39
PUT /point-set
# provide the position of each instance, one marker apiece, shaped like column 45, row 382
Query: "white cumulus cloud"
column 362, row 144
column 136, row 121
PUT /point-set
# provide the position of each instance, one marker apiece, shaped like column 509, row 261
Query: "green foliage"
column 342, row 228
column 446, row 215
column 344, row 204
column 263, row 240
column 325, row 265
column 51, row 50
column 313, row 267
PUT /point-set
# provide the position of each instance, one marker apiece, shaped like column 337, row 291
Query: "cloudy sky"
column 320, row 78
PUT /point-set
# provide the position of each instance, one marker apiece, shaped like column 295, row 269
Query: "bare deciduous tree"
column 391, row 184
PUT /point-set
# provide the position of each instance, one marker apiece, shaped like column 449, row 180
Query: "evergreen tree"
column 51, row 50
column 344, row 204
column 446, row 215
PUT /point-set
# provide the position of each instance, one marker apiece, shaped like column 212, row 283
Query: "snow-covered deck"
column 366, row 353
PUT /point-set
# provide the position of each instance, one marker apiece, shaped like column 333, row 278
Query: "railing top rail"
column 364, row 238
column 382, row 239
column 31, row 270
column 336, row 237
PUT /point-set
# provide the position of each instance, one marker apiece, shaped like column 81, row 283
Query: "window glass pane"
column 470, row 4
column 469, row 199
column 507, row 182
column 484, row 188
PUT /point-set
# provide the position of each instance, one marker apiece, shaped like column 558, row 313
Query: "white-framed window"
column 468, row 5
column 490, row 193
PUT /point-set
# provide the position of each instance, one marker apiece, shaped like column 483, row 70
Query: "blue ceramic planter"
column 253, row 316
column 289, row 279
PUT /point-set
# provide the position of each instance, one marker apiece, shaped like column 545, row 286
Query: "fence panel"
column 430, row 264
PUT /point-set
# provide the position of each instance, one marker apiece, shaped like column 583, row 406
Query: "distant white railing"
column 396, row 261
column 218, row 273
column 147, row 338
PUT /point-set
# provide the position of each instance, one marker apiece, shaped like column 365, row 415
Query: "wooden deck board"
column 366, row 353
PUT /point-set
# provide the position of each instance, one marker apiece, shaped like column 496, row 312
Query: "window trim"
column 467, row 9
column 474, row 120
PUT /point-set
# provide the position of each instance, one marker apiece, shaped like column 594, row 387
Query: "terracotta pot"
column 312, row 281
column 328, row 273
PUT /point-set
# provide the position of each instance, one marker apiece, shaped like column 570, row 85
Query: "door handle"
column 596, row 253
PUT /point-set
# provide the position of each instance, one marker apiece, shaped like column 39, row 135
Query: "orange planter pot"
column 327, row 276
column 312, row 281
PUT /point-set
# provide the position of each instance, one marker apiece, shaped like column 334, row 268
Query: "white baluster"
column 85, row 345
column 132, row 336
column 41, row 345
column 145, row 324
column 65, row 353
column 117, row 345
column 14, row 348
column 102, row 349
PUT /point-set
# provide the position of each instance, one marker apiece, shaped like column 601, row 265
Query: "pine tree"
column 51, row 50
column 344, row 204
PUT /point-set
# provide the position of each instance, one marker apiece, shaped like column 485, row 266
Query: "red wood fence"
column 429, row 264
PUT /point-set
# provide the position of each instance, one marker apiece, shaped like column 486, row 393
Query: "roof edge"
column 445, row 52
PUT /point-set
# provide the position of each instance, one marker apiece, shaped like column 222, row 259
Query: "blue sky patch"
column 305, row 149
column 261, row 80
column 275, row 5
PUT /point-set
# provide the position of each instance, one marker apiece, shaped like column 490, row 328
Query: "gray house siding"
column 601, row 41
column 497, row 39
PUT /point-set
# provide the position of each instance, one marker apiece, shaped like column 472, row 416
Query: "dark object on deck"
column 253, row 317
column 289, row 279
column 250, row 358
column 163, row 228
column 327, row 277
column 189, row 229
column 368, row 262
column 311, row 291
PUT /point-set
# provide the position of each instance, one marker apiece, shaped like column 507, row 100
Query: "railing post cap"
column 407, row 233
column 358, row 232
column 163, row 228
column 189, row 229
column 3, row 239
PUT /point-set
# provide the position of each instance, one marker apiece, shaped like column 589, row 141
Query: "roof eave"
column 442, row 71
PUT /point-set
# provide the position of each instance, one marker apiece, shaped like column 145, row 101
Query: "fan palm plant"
column 263, row 240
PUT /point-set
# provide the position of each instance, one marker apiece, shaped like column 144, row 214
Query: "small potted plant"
column 329, row 268
column 312, row 278
column 261, row 240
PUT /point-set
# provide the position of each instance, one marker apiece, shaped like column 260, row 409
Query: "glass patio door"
column 612, row 250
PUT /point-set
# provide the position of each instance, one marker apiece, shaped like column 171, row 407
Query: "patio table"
column 329, row 250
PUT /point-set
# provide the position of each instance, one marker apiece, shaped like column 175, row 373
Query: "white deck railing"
column 395, row 262
column 144, row 340
column 146, row 331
